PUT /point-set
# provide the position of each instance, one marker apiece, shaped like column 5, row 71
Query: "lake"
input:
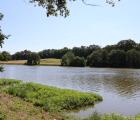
column 120, row 88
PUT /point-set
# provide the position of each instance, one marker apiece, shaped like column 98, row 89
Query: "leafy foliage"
column 59, row 7
column 53, row 7
column 117, row 58
column 2, row 37
column 78, row 62
column 33, row 59
column 53, row 53
column 126, row 45
column 98, row 58
column 22, row 55
column 69, row 59
column 5, row 56
column 133, row 58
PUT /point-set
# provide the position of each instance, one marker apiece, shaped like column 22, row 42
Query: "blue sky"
column 31, row 29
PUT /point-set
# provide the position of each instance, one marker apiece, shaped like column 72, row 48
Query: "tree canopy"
column 59, row 7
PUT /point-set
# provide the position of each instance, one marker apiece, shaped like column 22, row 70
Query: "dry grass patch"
column 15, row 108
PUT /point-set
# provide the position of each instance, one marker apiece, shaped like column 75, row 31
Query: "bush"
column 33, row 59
column 98, row 58
column 5, row 56
column 78, row 62
column 133, row 58
column 117, row 58
column 67, row 59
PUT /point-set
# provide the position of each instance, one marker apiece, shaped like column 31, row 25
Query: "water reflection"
column 119, row 87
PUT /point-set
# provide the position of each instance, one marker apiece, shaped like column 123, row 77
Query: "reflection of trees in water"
column 125, row 83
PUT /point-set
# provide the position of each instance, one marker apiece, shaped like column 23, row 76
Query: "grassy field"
column 49, row 61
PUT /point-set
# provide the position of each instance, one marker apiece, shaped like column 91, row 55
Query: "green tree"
column 5, row 56
column 109, row 48
column 126, row 45
column 133, row 58
column 78, row 62
column 67, row 59
column 98, row 58
column 2, row 38
column 117, row 58
column 53, row 53
column 33, row 59
column 22, row 55
column 84, row 51
column 137, row 47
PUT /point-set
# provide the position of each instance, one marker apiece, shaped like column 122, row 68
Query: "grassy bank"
column 14, row 108
column 50, row 98
column 30, row 101
column 49, row 62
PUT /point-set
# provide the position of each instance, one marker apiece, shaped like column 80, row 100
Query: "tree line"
column 125, row 53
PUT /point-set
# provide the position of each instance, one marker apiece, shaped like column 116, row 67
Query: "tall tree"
column 126, row 45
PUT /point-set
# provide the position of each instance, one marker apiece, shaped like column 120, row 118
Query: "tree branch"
column 89, row 3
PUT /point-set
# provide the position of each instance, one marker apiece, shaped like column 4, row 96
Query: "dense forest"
column 125, row 53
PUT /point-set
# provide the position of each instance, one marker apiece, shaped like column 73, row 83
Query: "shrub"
column 67, row 59
column 98, row 58
column 78, row 62
column 33, row 59
column 117, row 58
column 133, row 58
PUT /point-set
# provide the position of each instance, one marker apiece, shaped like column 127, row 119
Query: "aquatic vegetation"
column 50, row 98
column 113, row 116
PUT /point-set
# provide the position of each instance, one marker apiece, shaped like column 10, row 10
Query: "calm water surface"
column 120, row 88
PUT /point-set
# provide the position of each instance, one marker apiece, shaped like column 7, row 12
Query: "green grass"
column 50, row 98
column 51, row 62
